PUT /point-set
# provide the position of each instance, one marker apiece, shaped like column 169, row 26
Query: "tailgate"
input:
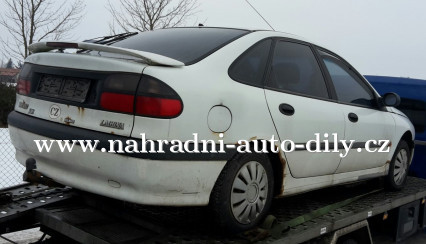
column 80, row 90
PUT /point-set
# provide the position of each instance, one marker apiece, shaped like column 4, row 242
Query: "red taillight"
column 157, row 99
column 148, row 97
column 158, row 107
column 23, row 84
column 23, row 87
column 62, row 45
column 117, row 102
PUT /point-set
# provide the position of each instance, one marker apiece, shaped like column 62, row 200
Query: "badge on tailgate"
column 54, row 111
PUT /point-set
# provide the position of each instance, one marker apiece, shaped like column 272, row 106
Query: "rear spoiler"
column 150, row 58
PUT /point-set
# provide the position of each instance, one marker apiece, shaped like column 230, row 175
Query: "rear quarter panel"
column 207, row 84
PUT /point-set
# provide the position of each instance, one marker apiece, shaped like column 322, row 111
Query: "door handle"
column 286, row 109
column 353, row 117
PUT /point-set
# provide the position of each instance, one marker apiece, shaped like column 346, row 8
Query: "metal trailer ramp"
column 87, row 225
column 17, row 204
column 101, row 220
column 89, row 218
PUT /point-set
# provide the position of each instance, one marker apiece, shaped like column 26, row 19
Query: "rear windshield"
column 188, row 45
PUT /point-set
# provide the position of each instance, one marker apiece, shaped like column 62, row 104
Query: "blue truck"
column 413, row 104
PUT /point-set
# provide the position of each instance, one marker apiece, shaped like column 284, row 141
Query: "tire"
column 398, row 167
column 243, row 193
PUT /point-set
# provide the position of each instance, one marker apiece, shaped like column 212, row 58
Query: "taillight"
column 23, row 87
column 158, row 107
column 156, row 99
column 151, row 98
column 119, row 93
column 23, row 83
column 117, row 102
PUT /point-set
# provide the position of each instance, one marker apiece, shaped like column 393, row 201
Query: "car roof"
column 268, row 32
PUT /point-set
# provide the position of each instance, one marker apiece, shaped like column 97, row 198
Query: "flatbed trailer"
column 315, row 217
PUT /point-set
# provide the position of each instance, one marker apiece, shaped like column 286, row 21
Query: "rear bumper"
column 58, row 131
column 137, row 180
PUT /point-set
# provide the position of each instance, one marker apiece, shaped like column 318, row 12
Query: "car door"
column 364, row 120
column 300, row 105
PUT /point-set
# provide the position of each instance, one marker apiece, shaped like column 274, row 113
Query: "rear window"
column 188, row 45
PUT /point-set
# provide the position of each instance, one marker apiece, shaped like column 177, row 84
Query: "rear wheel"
column 398, row 168
column 243, row 192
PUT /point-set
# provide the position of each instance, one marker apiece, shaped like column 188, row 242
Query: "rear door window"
column 295, row 69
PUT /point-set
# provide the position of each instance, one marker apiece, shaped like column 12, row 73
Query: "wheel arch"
column 278, row 164
column 408, row 137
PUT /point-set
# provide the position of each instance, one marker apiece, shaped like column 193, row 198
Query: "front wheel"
column 243, row 192
column 398, row 167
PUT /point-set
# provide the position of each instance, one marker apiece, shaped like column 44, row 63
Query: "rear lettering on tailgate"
column 112, row 124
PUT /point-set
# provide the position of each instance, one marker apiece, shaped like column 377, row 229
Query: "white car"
column 224, row 85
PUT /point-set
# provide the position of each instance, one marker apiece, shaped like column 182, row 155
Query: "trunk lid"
column 67, row 89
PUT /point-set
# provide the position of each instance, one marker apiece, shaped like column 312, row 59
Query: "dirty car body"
column 222, row 84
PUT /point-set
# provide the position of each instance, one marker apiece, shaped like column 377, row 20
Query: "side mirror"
column 391, row 99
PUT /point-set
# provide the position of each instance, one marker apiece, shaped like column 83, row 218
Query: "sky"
column 378, row 37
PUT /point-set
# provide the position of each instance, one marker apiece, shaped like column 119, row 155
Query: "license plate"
column 74, row 89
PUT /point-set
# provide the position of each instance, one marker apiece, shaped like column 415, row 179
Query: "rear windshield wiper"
column 107, row 40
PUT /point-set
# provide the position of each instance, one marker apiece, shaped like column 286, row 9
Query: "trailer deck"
column 89, row 218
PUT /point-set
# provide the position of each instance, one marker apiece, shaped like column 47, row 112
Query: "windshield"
column 188, row 45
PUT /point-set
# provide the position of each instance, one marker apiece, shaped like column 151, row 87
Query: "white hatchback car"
column 224, row 85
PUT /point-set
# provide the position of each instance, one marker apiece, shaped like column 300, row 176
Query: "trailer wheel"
column 398, row 167
column 242, row 195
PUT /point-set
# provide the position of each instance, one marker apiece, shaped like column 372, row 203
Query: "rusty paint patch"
column 253, row 138
column 80, row 111
column 283, row 163
column 390, row 144
column 387, row 162
column 112, row 132
column 68, row 120
column 217, row 134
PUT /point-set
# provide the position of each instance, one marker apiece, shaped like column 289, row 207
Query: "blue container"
column 413, row 104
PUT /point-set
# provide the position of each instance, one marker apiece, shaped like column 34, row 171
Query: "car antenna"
column 260, row 14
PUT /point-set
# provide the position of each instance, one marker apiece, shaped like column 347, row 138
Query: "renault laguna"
column 319, row 122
